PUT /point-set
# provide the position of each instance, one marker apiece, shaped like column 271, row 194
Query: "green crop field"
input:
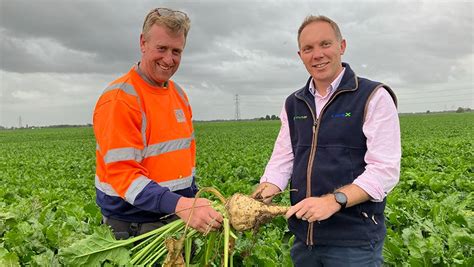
column 47, row 197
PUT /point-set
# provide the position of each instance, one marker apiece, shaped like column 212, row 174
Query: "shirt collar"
column 331, row 87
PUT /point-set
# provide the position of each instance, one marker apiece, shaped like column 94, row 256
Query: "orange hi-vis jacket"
column 145, row 156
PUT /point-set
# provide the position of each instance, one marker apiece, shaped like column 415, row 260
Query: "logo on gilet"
column 301, row 117
column 342, row 115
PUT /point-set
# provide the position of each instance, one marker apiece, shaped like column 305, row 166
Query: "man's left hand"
column 314, row 209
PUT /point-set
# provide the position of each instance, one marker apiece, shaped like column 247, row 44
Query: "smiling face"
column 321, row 51
column 161, row 53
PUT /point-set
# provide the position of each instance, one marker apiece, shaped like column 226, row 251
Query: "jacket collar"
column 348, row 83
column 349, row 80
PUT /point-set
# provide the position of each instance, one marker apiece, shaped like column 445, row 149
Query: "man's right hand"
column 265, row 192
column 204, row 217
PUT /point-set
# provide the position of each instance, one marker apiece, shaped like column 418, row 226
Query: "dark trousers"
column 336, row 256
column 124, row 230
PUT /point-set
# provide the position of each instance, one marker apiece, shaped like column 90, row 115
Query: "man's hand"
column 204, row 217
column 265, row 192
column 314, row 209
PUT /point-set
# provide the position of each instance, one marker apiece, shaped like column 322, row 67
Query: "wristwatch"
column 341, row 199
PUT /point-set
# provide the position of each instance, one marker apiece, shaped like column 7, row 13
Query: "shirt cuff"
column 278, row 181
column 371, row 187
column 168, row 202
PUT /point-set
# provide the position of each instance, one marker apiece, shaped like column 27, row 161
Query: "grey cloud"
column 234, row 47
column 88, row 28
column 421, row 42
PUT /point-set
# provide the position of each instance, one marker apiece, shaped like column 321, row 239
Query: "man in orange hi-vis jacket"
column 145, row 139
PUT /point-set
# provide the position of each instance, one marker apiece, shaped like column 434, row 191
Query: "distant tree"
column 460, row 110
column 428, row 111
column 274, row 117
column 267, row 117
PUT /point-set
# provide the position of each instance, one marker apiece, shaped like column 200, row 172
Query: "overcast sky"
column 58, row 56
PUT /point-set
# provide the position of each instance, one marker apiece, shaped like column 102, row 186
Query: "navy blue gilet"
column 335, row 159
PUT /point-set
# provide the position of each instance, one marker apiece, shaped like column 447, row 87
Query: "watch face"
column 340, row 198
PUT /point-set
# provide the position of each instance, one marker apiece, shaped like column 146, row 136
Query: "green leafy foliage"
column 430, row 212
column 95, row 249
column 47, row 198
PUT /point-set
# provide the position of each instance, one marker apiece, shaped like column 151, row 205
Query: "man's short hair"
column 319, row 18
column 176, row 21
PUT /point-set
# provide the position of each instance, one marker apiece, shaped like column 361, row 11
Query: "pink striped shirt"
column 382, row 129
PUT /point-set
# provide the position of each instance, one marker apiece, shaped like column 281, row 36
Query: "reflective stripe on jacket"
column 145, row 148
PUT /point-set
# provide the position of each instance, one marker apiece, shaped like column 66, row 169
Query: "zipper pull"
column 314, row 126
column 365, row 214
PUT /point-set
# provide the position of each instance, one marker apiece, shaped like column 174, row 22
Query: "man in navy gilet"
column 339, row 147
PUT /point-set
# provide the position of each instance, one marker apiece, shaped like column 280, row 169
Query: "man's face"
column 161, row 53
column 321, row 52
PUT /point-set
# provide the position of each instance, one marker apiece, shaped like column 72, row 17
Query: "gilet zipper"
column 312, row 154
